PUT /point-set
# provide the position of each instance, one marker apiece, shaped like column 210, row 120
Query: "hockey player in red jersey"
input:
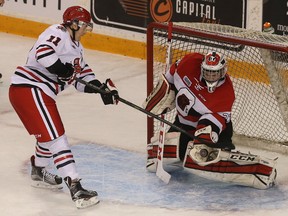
column 52, row 65
column 202, row 92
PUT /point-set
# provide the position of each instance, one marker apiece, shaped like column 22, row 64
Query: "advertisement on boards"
column 136, row 15
column 276, row 12
column 44, row 11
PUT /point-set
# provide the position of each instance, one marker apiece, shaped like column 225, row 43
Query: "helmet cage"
column 213, row 75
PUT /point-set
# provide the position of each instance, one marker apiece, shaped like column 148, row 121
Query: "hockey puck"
column 0, row 75
column 203, row 153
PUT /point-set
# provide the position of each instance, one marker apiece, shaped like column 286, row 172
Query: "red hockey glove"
column 205, row 135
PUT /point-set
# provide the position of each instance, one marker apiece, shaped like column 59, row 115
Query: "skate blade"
column 82, row 203
column 44, row 185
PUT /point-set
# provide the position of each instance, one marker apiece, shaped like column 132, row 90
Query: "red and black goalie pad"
column 170, row 151
column 225, row 166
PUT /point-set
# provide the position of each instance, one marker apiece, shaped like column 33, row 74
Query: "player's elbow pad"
column 60, row 69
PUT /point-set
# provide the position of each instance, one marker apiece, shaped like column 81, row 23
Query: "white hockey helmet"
column 213, row 69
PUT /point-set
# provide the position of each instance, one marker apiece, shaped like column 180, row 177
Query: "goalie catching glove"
column 161, row 99
column 111, row 93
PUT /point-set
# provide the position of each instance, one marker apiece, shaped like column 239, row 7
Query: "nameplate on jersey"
column 187, row 81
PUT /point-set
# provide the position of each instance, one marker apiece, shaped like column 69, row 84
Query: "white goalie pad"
column 161, row 99
column 231, row 167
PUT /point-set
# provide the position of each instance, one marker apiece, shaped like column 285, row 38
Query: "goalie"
column 200, row 89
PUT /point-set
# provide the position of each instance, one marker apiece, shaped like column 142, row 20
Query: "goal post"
column 257, row 65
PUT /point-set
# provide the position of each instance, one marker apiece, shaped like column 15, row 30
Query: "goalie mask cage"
column 257, row 65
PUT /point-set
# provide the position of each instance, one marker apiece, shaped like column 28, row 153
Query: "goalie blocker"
column 215, row 164
column 161, row 99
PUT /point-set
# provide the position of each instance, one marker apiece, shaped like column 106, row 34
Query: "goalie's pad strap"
column 161, row 99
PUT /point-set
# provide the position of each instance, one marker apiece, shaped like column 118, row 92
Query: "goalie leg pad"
column 235, row 167
column 171, row 151
column 152, row 149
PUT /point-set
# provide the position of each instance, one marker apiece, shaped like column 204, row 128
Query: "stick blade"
column 163, row 175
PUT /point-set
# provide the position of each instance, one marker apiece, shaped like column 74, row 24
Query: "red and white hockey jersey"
column 193, row 101
column 55, row 42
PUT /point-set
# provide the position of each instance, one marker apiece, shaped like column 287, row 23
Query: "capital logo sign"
column 135, row 15
column 161, row 10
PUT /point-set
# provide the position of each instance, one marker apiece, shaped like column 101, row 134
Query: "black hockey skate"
column 41, row 178
column 82, row 198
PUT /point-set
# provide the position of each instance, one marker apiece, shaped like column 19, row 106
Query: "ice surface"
column 109, row 147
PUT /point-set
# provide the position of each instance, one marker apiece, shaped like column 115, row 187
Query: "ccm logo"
column 242, row 157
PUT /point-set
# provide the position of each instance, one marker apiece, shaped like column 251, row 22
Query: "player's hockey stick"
column 96, row 88
column 160, row 171
column 215, row 145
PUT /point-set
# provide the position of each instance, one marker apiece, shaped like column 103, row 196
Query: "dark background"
column 276, row 12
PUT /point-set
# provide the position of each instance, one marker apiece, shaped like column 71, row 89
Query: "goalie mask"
column 78, row 15
column 213, row 69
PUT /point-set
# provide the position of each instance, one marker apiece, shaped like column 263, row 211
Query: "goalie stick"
column 160, row 172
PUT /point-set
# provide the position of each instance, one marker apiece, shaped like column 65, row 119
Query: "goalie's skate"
column 82, row 198
column 41, row 178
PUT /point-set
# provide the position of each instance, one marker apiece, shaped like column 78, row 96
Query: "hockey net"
column 257, row 64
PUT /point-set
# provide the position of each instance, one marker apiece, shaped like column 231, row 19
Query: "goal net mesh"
column 254, row 58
